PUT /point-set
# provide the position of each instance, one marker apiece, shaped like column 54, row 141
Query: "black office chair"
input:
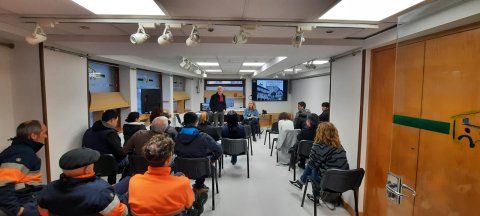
column 195, row 168
column 235, row 147
column 106, row 165
column 138, row 164
column 303, row 150
column 219, row 131
column 272, row 130
column 336, row 181
column 248, row 135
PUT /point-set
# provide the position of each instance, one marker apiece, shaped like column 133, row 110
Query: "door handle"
column 394, row 188
column 412, row 191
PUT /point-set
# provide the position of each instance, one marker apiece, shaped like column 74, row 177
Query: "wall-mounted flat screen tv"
column 269, row 90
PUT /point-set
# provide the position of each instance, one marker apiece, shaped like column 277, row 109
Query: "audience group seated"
column 157, row 191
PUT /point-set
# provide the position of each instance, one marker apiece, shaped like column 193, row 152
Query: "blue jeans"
column 310, row 171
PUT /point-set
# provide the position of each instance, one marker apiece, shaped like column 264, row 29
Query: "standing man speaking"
column 218, row 105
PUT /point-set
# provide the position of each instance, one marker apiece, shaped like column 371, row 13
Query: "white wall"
column 195, row 98
column 128, row 89
column 67, row 105
column 313, row 91
column 345, row 106
column 20, row 92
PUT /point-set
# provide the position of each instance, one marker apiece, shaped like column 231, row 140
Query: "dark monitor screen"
column 269, row 90
column 204, row 107
column 151, row 99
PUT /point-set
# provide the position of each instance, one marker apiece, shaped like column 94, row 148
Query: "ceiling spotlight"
column 298, row 39
column 140, row 36
column 241, row 37
column 166, row 37
column 38, row 36
column 183, row 63
column 194, row 38
column 204, row 75
column 198, row 71
column 310, row 65
column 188, row 65
column 284, row 74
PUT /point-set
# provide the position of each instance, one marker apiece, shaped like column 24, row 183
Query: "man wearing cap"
column 79, row 191
column 20, row 177
column 191, row 143
column 156, row 192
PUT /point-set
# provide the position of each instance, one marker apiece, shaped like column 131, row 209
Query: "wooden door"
column 379, row 137
column 437, row 101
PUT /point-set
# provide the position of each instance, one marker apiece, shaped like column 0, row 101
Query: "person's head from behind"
column 79, row 162
column 133, row 117
column 159, row 124
column 284, row 116
column 203, row 118
column 252, row 105
column 190, row 119
column 159, row 150
column 232, row 119
column 312, row 120
column 327, row 134
column 325, row 106
column 301, row 105
column 111, row 117
column 32, row 130
column 220, row 90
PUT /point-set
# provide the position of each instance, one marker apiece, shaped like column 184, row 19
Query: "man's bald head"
column 159, row 124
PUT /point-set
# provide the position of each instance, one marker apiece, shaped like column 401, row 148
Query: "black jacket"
column 191, row 143
column 325, row 116
column 210, row 130
column 131, row 128
column 307, row 133
column 103, row 138
column 216, row 105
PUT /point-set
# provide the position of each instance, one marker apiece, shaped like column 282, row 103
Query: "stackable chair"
column 272, row 130
column 235, row 147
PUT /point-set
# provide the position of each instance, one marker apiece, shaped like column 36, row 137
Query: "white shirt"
column 285, row 125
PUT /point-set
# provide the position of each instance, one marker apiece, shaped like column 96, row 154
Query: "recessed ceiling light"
column 247, row 71
column 213, row 70
column 207, row 63
column 367, row 10
column 255, row 64
column 290, row 70
column 121, row 7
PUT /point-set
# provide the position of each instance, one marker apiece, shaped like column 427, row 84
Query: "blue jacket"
column 250, row 113
column 191, row 143
column 103, row 138
column 86, row 195
column 20, row 177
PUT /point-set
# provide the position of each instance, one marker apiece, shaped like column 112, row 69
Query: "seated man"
column 327, row 153
column 233, row 131
column 191, row 143
column 157, row 192
column 20, row 178
column 135, row 144
column 79, row 191
column 307, row 133
column 103, row 137
column 301, row 115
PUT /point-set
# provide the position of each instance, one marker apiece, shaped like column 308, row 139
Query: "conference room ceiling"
column 110, row 41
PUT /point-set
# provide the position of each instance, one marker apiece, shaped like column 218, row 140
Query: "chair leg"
column 355, row 194
column 304, row 193
column 294, row 173
column 315, row 201
column 269, row 141
column 248, row 165
column 277, row 156
column 216, row 178
column 265, row 140
column 220, row 162
column 251, row 147
column 271, row 150
column 213, row 189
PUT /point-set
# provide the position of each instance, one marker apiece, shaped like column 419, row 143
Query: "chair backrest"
column 106, row 165
column 234, row 146
column 275, row 127
column 248, row 131
column 304, row 148
column 193, row 168
column 138, row 164
column 219, row 131
column 342, row 180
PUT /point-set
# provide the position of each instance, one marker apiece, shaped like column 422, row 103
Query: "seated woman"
column 307, row 133
column 284, row 122
column 205, row 126
column 157, row 192
column 250, row 117
column 132, row 126
column 233, row 130
column 327, row 153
